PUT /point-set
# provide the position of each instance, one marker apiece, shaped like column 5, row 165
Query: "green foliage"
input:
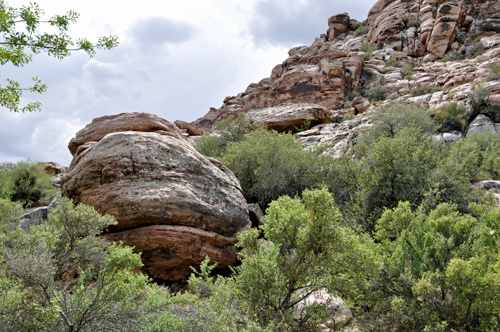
column 423, row 89
column 61, row 276
column 305, row 249
column 269, row 164
column 413, row 24
column 6, row 183
column 476, row 51
column 451, row 116
column 441, row 269
column 22, row 39
column 494, row 74
column 377, row 93
column 477, row 156
column 393, row 63
column 479, row 102
column 361, row 30
column 368, row 49
column 230, row 130
column 32, row 185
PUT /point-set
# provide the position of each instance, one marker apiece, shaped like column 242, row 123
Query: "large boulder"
column 482, row 124
column 289, row 117
column 443, row 32
column 152, row 180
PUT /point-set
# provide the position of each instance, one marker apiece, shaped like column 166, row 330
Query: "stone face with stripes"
column 173, row 204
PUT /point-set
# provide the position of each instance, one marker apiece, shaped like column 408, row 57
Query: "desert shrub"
column 348, row 117
column 368, row 49
column 230, row 130
column 361, row 31
column 451, row 116
column 377, row 93
column 6, row 183
column 32, row 185
column 439, row 270
column 494, row 74
column 60, row 276
column 477, row 156
column 423, row 89
column 489, row 27
column 269, row 164
column 414, row 24
column 393, row 118
column 479, row 102
column 476, row 51
column 393, row 63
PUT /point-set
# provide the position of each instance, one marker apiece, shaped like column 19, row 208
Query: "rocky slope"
column 171, row 203
column 426, row 52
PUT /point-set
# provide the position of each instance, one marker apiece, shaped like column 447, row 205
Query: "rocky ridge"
column 426, row 52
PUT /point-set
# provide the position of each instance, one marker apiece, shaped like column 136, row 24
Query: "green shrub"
column 361, row 31
column 368, row 49
column 306, row 248
column 439, row 269
column 451, row 116
column 377, row 93
column 494, row 74
column 477, row 156
column 32, row 185
column 423, row 89
column 414, row 24
column 269, row 164
column 489, row 27
column 476, row 51
column 393, row 63
column 6, row 183
column 230, row 130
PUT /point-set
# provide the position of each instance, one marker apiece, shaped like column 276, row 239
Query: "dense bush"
column 230, row 130
column 441, row 269
column 31, row 184
column 451, row 116
column 269, row 165
column 361, row 30
column 6, row 183
column 377, row 93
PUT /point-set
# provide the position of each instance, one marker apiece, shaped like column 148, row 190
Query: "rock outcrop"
column 171, row 203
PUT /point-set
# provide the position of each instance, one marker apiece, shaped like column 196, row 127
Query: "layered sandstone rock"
column 171, row 203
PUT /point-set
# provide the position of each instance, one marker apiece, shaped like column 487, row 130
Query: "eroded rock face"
column 152, row 180
column 289, row 117
column 442, row 35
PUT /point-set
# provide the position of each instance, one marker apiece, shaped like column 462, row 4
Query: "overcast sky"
column 175, row 59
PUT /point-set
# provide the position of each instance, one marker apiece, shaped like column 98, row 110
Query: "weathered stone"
column 480, row 125
column 191, row 130
column 360, row 104
column 100, row 127
column 338, row 24
column 289, row 117
column 152, row 183
column 443, row 32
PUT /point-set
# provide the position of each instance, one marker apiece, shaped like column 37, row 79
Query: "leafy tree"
column 306, row 248
column 230, row 130
column 59, row 276
column 22, row 39
column 32, row 185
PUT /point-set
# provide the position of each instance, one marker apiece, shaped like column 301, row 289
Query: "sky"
column 176, row 59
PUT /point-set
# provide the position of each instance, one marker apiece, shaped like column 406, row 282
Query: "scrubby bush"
column 441, row 269
column 269, row 164
column 489, row 27
column 393, row 63
column 230, row 130
column 494, row 74
column 368, row 49
column 451, row 116
column 32, row 185
column 377, row 93
column 361, row 31
column 414, row 24
column 423, row 89
column 6, row 183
